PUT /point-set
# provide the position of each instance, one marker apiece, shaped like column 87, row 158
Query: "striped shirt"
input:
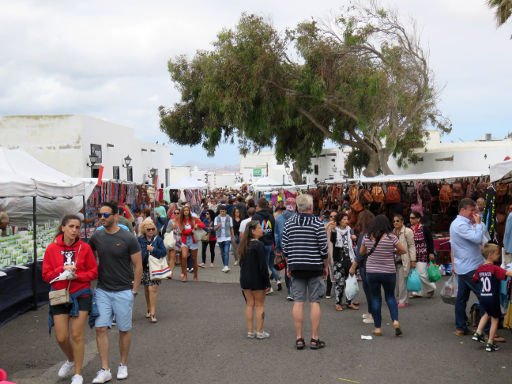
column 382, row 259
column 305, row 243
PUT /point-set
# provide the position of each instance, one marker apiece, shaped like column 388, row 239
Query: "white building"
column 329, row 164
column 461, row 156
column 66, row 143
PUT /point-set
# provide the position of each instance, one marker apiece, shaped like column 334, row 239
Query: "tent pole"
column 85, row 217
column 34, row 263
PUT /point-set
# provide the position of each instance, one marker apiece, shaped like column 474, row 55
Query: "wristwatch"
column 135, row 293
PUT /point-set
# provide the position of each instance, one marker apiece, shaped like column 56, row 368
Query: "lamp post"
column 127, row 160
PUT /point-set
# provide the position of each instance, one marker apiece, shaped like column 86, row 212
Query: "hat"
column 290, row 204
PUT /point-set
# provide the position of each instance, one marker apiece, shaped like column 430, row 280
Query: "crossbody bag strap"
column 373, row 248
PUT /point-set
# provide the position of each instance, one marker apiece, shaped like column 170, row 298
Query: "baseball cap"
column 290, row 204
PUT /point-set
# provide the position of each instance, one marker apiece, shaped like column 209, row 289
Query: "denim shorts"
column 119, row 304
column 190, row 244
column 315, row 286
column 84, row 304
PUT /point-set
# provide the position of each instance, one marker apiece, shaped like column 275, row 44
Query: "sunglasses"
column 333, row 217
column 397, row 221
column 150, row 229
column 106, row 214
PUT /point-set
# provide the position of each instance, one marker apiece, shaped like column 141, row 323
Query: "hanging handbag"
column 61, row 296
column 199, row 233
column 158, row 268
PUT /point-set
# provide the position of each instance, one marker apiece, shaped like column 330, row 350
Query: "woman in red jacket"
column 187, row 223
column 69, row 253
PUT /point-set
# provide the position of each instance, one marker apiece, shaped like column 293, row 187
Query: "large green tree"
column 503, row 10
column 361, row 81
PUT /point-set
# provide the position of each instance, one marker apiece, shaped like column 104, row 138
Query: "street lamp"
column 153, row 171
column 93, row 158
column 127, row 160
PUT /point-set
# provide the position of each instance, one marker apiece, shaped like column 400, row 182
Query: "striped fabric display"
column 305, row 242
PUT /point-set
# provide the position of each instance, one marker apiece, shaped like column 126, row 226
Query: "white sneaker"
column 102, row 376
column 251, row 335
column 262, row 335
column 269, row 291
column 225, row 269
column 368, row 320
column 77, row 379
column 122, row 372
column 66, row 369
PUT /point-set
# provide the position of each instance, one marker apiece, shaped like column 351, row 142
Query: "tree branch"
column 310, row 117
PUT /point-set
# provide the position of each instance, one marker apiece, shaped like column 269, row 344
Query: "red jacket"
column 53, row 264
column 190, row 232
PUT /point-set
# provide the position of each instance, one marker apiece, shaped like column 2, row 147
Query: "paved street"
column 200, row 338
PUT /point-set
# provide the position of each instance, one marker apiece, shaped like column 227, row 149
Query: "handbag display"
column 158, row 268
column 169, row 240
column 199, row 233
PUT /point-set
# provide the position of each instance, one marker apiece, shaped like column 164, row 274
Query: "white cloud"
column 109, row 59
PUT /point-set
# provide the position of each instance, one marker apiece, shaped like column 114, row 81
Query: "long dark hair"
column 364, row 220
column 379, row 226
column 246, row 238
column 65, row 220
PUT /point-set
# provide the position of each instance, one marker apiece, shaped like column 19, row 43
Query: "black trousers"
column 212, row 250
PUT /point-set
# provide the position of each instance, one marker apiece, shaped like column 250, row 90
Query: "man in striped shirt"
column 304, row 246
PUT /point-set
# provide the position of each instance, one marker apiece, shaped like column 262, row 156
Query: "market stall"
column 188, row 190
column 34, row 196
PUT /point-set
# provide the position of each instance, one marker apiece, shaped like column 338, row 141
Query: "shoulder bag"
column 158, row 268
column 61, row 296
column 169, row 240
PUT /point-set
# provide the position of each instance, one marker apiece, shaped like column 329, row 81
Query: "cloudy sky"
column 108, row 59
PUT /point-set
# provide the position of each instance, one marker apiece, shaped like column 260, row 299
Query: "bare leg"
column 148, row 299
column 259, row 298
column 298, row 318
column 171, row 258
column 77, row 334
column 61, row 324
column 483, row 321
column 184, row 255
column 153, row 293
column 315, row 315
column 193, row 252
column 102, row 342
column 249, row 309
column 494, row 328
column 124, row 345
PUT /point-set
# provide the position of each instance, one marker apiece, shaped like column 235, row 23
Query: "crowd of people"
column 314, row 253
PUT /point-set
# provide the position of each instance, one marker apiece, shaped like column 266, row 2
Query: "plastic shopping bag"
column 351, row 288
column 434, row 274
column 449, row 290
column 413, row 281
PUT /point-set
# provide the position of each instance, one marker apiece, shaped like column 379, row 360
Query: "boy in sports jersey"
column 488, row 275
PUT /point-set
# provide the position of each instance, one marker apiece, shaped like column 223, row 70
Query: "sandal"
column 316, row 344
column 339, row 308
column 153, row 318
column 353, row 306
column 300, row 343
column 147, row 315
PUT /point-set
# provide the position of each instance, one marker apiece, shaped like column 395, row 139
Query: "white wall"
column 467, row 156
column 178, row 173
column 64, row 141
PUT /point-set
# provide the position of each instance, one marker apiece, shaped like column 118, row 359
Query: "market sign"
column 256, row 172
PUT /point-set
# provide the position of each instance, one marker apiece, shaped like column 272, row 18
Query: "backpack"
column 446, row 194
column 458, row 192
column 412, row 194
column 377, row 194
column 392, row 195
column 353, row 193
column 365, row 197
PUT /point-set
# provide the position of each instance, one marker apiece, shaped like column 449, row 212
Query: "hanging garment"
column 489, row 215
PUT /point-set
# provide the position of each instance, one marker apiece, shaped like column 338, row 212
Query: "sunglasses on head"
column 106, row 214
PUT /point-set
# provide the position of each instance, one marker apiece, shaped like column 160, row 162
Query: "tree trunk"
column 383, row 160
column 296, row 174
column 373, row 165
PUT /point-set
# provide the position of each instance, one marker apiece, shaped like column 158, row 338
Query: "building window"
column 129, row 173
column 115, row 172
column 96, row 150
column 167, row 177
column 316, row 169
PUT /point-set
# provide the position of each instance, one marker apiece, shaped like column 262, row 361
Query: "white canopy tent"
column 266, row 182
column 501, row 171
column 187, row 182
column 22, row 176
column 443, row 175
